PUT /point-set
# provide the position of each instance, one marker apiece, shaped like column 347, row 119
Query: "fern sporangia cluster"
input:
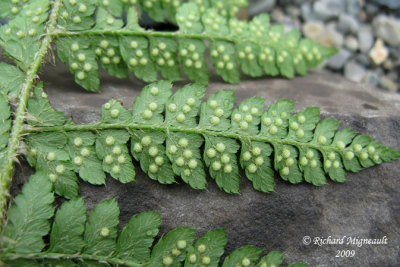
column 74, row 240
column 170, row 135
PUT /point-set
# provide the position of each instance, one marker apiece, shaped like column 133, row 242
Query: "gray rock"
column 337, row 61
column 365, row 38
column 394, row 53
column 388, row 84
column 371, row 9
column 363, row 59
column 277, row 15
column 353, row 7
column 313, row 29
column 336, row 36
column 351, row 43
column 328, row 9
column 260, row 6
column 365, row 206
column 294, row 12
column 371, row 78
column 354, row 71
column 387, row 28
column 307, row 12
column 347, row 24
column 393, row 4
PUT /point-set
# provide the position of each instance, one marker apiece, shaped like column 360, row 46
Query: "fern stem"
column 166, row 129
column 13, row 144
column 78, row 257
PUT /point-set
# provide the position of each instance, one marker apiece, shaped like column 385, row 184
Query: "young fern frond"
column 164, row 133
column 89, row 31
column 75, row 240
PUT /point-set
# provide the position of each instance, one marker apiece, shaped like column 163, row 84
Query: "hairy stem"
column 78, row 257
column 166, row 129
column 7, row 169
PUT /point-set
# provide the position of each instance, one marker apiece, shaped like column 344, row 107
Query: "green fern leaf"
column 5, row 123
column 171, row 248
column 166, row 136
column 101, row 228
column 207, row 250
column 28, row 217
column 244, row 256
column 11, row 79
column 72, row 243
column 20, row 38
column 68, row 226
column 138, row 235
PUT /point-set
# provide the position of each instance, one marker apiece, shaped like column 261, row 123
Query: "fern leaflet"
column 165, row 135
column 76, row 240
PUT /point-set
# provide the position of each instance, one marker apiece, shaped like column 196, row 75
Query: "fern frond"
column 73, row 242
column 92, row 31
column 123, row 46
column 166, row 136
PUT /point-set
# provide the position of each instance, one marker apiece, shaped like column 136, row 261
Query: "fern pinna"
column 108, row 32
column 179, row 135
column 75, row 240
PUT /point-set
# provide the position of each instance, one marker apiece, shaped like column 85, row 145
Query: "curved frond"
column 178, row 135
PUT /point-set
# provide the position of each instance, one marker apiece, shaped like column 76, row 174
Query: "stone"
column 260, row 6
column 379, row 52
column 363, row 59
column 278, row 16
column 337, row 61
column 371, row 78
column 347, row 24
column 353, row 7
column 328, row 9
column 387, row 28
column 393, row 4
column 365, row 38
column 388, row 84
column 307, row 12
column 293, row 12
column 331, row 33
column 365, row 206
column 351, row 43
column 354, row 72
column 313, row 29
column 371, row 9
column 325, row 35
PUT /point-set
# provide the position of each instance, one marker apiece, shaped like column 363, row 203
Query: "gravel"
column 355, row 27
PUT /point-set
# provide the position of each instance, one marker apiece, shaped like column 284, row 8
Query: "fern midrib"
column 167, row 128
column 61, row 256
column 17, row 129
column 177, row 35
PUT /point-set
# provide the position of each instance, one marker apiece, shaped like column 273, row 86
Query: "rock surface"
column 366, row 206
